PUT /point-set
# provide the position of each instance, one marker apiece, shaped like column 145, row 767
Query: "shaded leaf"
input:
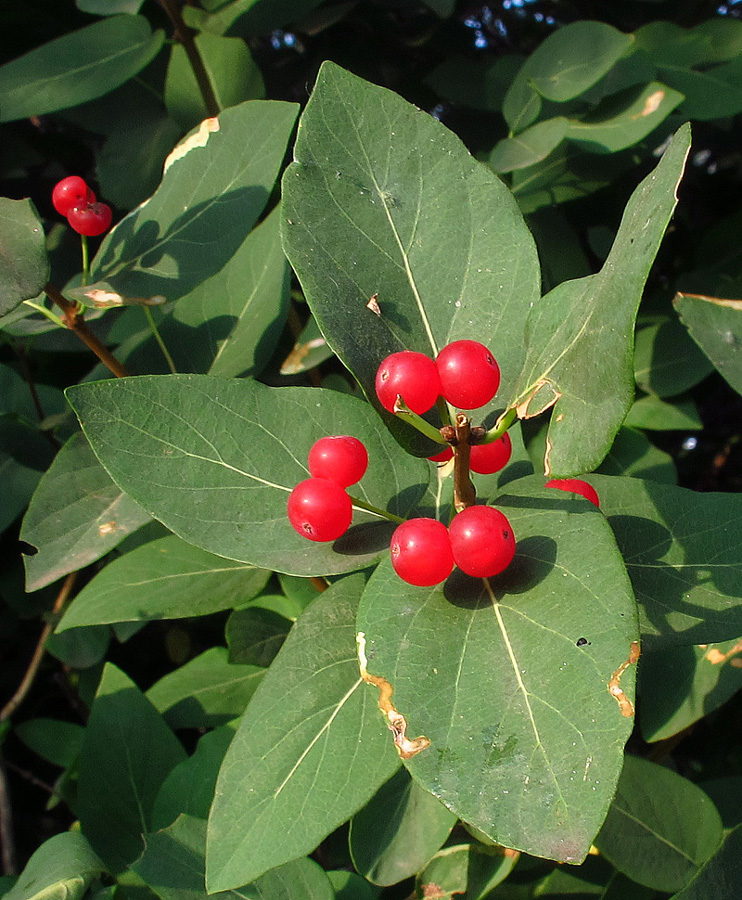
column 63, row 866
column 25, row 268
column 163, row 579
column 579, row 347
column 311, row 748
column 309, row 350
column 529, row 146
column 632, row 454
column 523, row 686
column 654, row 414
column 719, row 877
column 254, row 635
column 56, row 741
column 469, row 869
column 221, row 463
column 666, row 360
column 716, row 326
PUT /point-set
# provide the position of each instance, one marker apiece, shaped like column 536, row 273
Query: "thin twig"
column 28, row 378
column 74, row 321
column 185, row 37
column 463, row 490
column 7, row 837
column 28, row 776
column 33, row 667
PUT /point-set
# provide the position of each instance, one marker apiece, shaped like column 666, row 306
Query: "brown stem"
column 185, row 37
column 7, row 837
column 463, row 490
column 74, row 321
column 28, row 378
column 33, row 667
column 320, row 584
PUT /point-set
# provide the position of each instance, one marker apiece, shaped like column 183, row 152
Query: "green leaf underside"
column 579, row 338
column 77, row 67
column 720, row 876
column 716, row 326
column 213, row 459
column 660, row 828
column 469, row 869
column 24, row 267
column 526, row 740
column 530, row 146
column 311, row 749
column 216, row 184
column 76, row 515
column 173, row 866
column 384, row 200
column 164, row 579
column 63, row 866
column 127, row 753
column 683, row 553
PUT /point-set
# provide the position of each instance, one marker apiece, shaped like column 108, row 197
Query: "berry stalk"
column 464, row 494
column 368, row 507
column 500, row 427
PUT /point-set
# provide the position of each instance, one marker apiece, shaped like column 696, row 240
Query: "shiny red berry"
column 575, row 486
column 487, row 459
column 319, row 509
column 421, row 552
column 443, row 456
column 482, row 541
column 469, row 374
column 90, row 220
column 69, row 192
column 413, row 376
column 341, row 458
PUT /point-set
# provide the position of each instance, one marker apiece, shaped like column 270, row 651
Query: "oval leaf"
column 25, row 267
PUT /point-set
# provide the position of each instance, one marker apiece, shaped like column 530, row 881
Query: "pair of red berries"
column 319, row 508
column 485, row 459
column 479, row 541
column 72, row 197
column 464, row 373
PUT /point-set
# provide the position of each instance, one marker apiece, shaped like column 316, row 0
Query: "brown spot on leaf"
column 373, row 304
column 106, row 528
column 396, row 722
column 198, row 139
column 651, row 104
column 543, row 396
column 716, row 657
column 614, row 685
column 433, row 891
column 294, row 362
column 717, row 301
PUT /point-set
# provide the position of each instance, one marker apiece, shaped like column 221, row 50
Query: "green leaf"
column 128, row 751
column 76, row 515
column 77, row 67
column 249, row 18
column 173, row 866
column 349, row 886
column 523, row 685
column 716, row 326
column 579, row 345
column 680, row 686
column 56, row 741
column 64, row 866
column 712, row 94
column 25, row 267
column 231, row 72
column 469, row 869
column 254, row 635
column 617, row 124
column 529, row 146
column 109, row 7
column 398, row 831
column 660, row 828
column 383, row 200
column 720, row 875
column 633, row 454
column 189, row 788
column 205, row 692
column 521, row 105
column 654, row 414
column 310, row 751
column 666, row 360
column 216, row 184
column 475, row 82
column 163, row 579
column 80, row 648
column 309, row 350
column 223, row 455
column 683, row 555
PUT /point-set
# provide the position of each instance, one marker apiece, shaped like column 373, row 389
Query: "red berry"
column 69, row 192
column 90, row 220
column 489, row 458
column 319, row 509
column 482, row 541
column 341, row 458
column 443, row 456
column 469, row 374
column 413, row 376
column 421, row 552
column 575, row 486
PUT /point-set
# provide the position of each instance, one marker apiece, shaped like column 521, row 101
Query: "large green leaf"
column 128, row 751
column 163, row 579
column 579, row 338
column 383, row 200
column 720, row 876
column 216, row 184
column 310, row 751
column 62, row 867
column 223, row 455
column 683, row 552
column 398, row 830
column 173, row 866
column 716, row 326
column 76, row 515
column 523, row 684
column 24, row 267
column 529, row 146
column 660, row 828
column 77, row 67
column 469, row 869
column 632, row 454
column 666, row 360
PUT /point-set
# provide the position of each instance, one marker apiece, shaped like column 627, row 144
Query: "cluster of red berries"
column 319, row 507
column 72, row 197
